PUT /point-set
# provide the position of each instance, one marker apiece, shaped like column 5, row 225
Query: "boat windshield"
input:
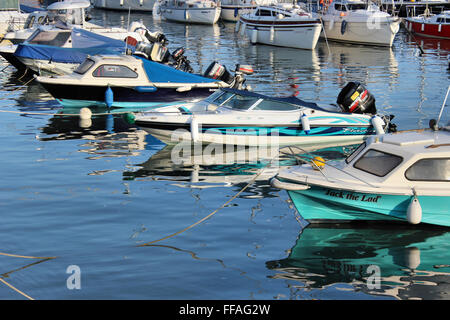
column 377, row 162
column 240, row 102
column 84, row 66
column 56, row 38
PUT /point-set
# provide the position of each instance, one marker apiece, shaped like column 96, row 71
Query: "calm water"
column 94, row 196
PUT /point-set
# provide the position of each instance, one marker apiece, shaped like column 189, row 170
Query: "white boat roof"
column 69, row 4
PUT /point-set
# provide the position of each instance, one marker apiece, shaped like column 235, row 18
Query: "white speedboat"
column 282, row 25
column 130, row 81
column 356, row 21
column 124, row 5
column 190, row 11
column 399, row 177
column 237, row 117
column 231, row 10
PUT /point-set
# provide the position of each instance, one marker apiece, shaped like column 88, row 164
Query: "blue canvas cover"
column 84, row 43
column 157, row 72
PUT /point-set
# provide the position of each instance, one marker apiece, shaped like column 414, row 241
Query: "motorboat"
column 77, row 44
column 124, row 5
column 430, row 25
column 237, row 117
column 398, row 177
column 11, row 17
column 231, row 10
column 133, row 81
column 284, row 25
column 68, row 13
column 189, row 11
column 72, row 14
column 60, row 50
column 359, row 22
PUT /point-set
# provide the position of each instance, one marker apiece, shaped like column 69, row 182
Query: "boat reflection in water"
column 410, row 263
column 222, row 166
column 105, row 135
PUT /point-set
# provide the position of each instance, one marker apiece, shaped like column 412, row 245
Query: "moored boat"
column 190, row 11
column 355, row 21
column 231, row 10
column 124, row 5
column 400, row 177
column 131, row 81
column 236, row 117
column 283, row 25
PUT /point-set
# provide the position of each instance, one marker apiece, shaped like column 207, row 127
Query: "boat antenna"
column 442, row 108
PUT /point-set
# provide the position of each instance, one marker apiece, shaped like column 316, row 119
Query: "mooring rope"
column 24, row 257
column 215, row 211
column 17, row 290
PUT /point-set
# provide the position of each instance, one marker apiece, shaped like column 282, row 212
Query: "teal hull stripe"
column 348, row 205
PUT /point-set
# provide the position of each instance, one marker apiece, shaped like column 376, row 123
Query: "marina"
column 86, row 187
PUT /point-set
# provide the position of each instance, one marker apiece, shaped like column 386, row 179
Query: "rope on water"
column 215, row 211
column 25, row 257
column 17, row 290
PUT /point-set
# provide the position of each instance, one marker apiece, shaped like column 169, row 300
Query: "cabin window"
column 355, row 153
column 57, row 39
column 263, row 13
column 356, row 6
column 429, row 170
column 40, row 19
column 84, row 66
column 275, row 106
column 377, row 162
column 114, row 71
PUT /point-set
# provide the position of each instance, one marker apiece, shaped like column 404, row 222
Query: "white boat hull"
column 192, row 15
column 171, row 137
column 125, row 5
column 381, row 34
column 300, row 37
column 233, row 12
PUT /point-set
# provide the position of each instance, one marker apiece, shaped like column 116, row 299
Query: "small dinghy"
column 131, row 81
column 239, row 117
column 399, row 177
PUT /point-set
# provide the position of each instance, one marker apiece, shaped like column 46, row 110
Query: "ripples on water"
column 90, row 193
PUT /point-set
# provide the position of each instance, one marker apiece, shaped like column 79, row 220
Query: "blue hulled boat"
column 132, row 81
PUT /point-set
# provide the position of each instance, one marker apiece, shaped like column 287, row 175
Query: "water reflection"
column 413, row 263
column 223, row 166
column 107, row 135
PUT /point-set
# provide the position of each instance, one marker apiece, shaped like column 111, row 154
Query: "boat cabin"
column 410, row 158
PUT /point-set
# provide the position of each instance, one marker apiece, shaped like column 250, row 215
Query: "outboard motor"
column 355, row 98
column 218, row 72
column 180, row 61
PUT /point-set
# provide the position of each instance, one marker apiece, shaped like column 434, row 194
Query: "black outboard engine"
column 355, row 98
column 180, row 61
column 218, row 72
